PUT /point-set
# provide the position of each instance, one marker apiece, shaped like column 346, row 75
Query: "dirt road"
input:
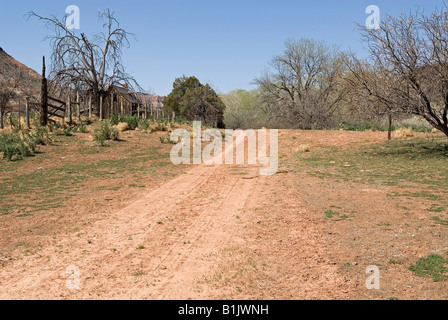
column 216, row 232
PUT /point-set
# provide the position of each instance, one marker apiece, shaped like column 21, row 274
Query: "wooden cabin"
column 121, row 101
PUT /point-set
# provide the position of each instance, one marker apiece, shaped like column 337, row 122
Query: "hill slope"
column 14, row 74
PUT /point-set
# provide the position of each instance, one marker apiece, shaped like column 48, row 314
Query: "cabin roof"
column 126, row 94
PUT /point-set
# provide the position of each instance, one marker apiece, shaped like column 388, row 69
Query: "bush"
column 122, row 126
column 81, row 127
column 132, row 121
column 17, row 144
column 114, row 119
column 167, row 140
column 41, row 136
column 144, row 124
column 106, row 132
column 13, row 120
column 365, row 126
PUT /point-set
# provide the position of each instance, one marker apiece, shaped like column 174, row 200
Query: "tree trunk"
column 389, row 132
column 90, row 106
column 70, row 113
column 44, row 98
column 101, row 107
column 27, row 113
column 78, row 107
column 96, row 101
column 1, row 118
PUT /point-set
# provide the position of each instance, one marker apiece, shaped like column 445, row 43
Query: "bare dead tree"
column 88, row 65
column 301, row 86
column 411, row 53
column 373, row 91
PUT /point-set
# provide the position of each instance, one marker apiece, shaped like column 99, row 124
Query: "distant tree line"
column 314, row 86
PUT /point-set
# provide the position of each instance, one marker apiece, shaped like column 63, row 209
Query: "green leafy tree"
column 173, row 102
column 194, row 101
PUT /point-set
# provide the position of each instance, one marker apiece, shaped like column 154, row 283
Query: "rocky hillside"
column 23, row 80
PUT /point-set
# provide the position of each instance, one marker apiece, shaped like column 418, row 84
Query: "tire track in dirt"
column 210, row 233
column 185, row 227
column 105, row 264
column 46, row 276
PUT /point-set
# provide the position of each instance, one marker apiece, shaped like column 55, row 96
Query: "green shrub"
column 14, row 120
column 82, row 127
column 106, row 132
column 114, row 119
column 144, row 124
column 132, row 121
column 17, row 144
column 166, row 140
column 41, row 136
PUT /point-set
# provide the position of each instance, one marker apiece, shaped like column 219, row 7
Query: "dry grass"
column 122, row 127
column 154, row 127
column 303, row 148
column 403, row 133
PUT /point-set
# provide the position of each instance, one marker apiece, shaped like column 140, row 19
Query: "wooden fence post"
column 27, row 113
column 101, row 107
column 90, row 106
column 78, row 110
column 70, row 115
column 44, row 97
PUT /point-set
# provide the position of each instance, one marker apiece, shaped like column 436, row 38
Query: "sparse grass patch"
column 436, row 208
column 395, row 262
column 440, row 220
column 417, row 161
column 432, row 266
column 54, row 184
column 330, row 214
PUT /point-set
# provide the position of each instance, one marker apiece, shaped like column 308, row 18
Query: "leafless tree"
column 89, row 65
column 371, row 91
column 301, row 87
column 410, row 58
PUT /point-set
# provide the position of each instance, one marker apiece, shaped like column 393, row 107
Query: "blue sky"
column 226, row 43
